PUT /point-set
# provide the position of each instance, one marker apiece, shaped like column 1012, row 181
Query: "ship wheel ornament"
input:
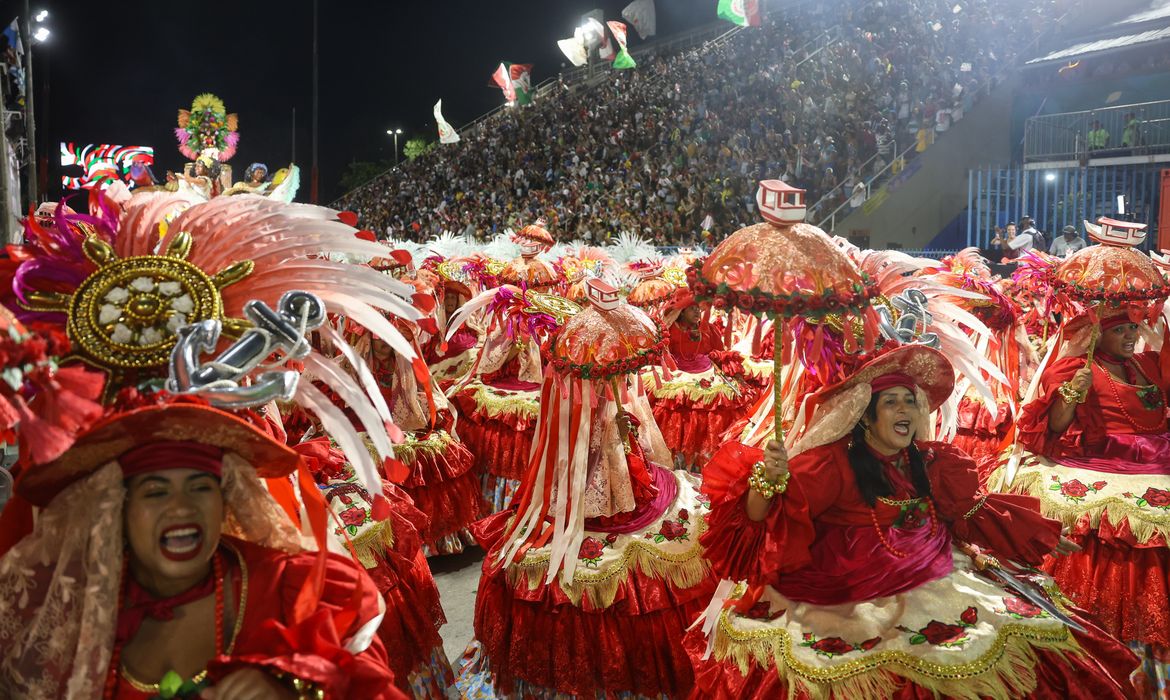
column 125, row 314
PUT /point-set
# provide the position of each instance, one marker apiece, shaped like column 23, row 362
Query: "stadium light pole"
column 313, row 184
column 395, row 133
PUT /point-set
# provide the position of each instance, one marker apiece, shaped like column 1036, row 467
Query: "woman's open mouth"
column 181, row 542
column 902, row 427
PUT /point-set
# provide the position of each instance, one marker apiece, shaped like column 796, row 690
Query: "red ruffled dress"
column 700, row 401
column 615, row 630
column 265, row 584
column 443, row 481
column 391, row 551
column 497, row 421
column 1107, row 477
column 855, row 601
column 980, row 433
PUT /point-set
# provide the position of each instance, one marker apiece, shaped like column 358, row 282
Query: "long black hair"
column 867, row 470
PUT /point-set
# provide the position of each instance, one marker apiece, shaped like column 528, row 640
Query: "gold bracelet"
column 1071, row 395
column 760, row 483
column 975, row 508
column 305, row 690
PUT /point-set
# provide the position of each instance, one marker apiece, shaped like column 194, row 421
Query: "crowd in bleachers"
column 674, row 148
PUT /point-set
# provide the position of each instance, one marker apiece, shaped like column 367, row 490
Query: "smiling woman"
column 215, row 590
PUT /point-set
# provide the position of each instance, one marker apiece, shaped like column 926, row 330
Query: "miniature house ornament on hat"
column 601, row 294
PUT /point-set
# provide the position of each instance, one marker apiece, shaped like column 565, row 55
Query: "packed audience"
column 674, row 148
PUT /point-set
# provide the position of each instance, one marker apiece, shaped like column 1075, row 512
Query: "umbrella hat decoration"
column 783, row 269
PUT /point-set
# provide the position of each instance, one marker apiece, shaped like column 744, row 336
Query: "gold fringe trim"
column 436, row 443
column 1142, row 523
column 692, row 391
column 495, row 405
column 758, row 368
column 682, row 570
column 1007, row 669
column 371, row 544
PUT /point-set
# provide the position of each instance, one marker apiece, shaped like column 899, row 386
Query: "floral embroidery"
column 835, row 646
column 591, row 551
column 672, row 530
column 353, row 518
column 1021, row 609
column 1152, row 498
column 704, row 500
column 941, row 634
column 912, row 515
column 763, row 611
column 1151, row 397
column 1074, row 491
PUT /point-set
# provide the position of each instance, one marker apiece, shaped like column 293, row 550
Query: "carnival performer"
column 391, row 550
column 160, row 566
column 451, row 361
column 498, row 400
column 1094, row 448
column 594, row 572
column 255, row 181
column 122, row 586
column 855, row 585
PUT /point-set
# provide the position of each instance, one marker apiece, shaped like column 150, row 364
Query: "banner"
column 745, row 13
column 623, row 59
column 103, row 164
column 640, row 15
column 446, row 133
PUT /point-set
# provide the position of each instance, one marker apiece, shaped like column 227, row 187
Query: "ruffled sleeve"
column 336, row 648
column 1009, row 525
column 743, row 549
column 1033, row 424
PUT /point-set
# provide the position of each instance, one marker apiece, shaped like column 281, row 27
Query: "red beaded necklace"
column 1158, row 421
column 891, row 461
column 116, row 655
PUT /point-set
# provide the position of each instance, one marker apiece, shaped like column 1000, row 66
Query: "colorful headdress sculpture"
column 207, row 125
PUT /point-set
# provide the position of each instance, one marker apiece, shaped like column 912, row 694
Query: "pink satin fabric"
column 850, row 563
column 1127, row 453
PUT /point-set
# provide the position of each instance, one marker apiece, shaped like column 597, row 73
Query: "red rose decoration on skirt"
column 672, row 530
column 970, row 616
column 353, row 516
column 591, row 549
column 1074, row 489
column 832, row 646
column 942, row 633
column 1158, row 498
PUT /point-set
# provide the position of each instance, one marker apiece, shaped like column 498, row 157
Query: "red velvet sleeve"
column 317, row 649
column 743, row 549
column 1033, row 424
column 1009, row 525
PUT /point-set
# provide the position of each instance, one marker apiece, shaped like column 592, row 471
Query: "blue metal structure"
column 1058, row 197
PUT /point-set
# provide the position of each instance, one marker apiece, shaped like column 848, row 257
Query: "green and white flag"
column 745, row 13
column 515, row 79
column 623, row 59
column 446, row 133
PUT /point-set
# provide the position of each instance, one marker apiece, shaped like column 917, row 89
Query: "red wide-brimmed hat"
column 114, row 436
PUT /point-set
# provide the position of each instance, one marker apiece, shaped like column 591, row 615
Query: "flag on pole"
column 623, row 59
column 574, row 48
column 12, row 33
column 515, row 79
column 640, row 15
column 745, row 13
column 446, row 133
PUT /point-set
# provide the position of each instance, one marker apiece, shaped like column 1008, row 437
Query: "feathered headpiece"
column 207, row 125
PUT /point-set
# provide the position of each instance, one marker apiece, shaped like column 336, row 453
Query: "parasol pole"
column 1093, row 336
column 777, row 355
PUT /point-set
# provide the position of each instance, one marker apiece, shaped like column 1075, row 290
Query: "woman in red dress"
column 1096, row 453
column 161, row 564
column 856, row 587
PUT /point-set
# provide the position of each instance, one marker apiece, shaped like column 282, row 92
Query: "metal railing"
column 831, row 218
column 1134, row 129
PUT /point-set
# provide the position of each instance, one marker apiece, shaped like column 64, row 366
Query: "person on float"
column 1100, row 461
column 855, row 585
column 159, row 563
column 593, row 574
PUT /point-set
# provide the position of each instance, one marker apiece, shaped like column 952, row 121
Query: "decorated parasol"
column 1113, row 273
column 782, row 269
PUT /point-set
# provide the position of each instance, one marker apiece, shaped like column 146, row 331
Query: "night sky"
column 118, row 71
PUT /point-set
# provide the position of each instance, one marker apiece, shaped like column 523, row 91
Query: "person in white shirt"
column 1067, row 244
